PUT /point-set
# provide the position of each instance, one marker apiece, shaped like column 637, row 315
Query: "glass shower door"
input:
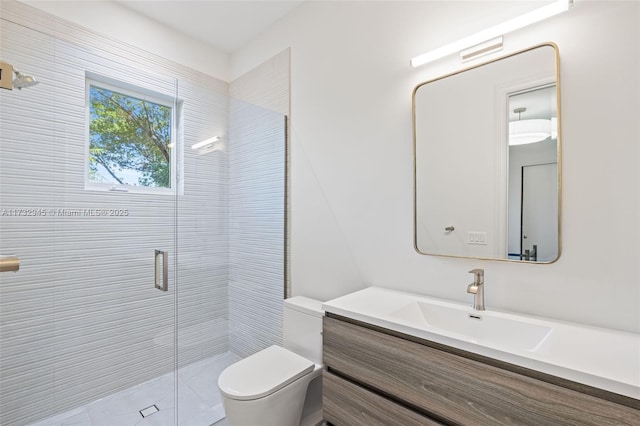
column 88, row 322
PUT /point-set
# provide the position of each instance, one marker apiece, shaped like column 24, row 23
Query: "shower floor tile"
column 199, row 401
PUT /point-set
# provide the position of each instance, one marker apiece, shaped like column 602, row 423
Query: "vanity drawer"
column 458, row 389
column 347, row 404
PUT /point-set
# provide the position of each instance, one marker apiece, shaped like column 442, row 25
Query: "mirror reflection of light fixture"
column 516, row 23
column 205, row 142
column 523, row 132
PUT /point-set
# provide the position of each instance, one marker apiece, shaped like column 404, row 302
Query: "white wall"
column 351, row 166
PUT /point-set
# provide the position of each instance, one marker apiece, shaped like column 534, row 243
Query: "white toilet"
column 280, row 386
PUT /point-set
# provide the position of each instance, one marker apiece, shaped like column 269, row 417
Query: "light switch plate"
column 477, row 238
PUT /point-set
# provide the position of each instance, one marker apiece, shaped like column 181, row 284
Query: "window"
column 130, row 138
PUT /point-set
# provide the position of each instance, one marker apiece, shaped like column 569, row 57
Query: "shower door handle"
column 9, row 263
column 162, row 270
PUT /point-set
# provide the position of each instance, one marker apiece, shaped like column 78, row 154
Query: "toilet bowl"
column 272, row 386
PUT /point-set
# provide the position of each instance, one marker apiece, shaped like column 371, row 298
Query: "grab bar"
column 9, row 263
column 162, row 270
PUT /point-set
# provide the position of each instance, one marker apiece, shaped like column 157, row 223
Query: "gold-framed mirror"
column 487, row 154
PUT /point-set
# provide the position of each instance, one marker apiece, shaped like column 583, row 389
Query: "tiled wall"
column 257, row 164
column 82, row 319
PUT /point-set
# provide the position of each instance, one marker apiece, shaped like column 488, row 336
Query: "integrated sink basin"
column 482, row 327
column 598, row 357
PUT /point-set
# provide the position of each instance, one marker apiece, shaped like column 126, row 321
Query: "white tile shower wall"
column 202, row 228
column 259, row 102
column 81, row 319
column 256, row 227
column 266, row 85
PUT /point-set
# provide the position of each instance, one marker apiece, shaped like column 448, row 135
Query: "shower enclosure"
column 130, row 262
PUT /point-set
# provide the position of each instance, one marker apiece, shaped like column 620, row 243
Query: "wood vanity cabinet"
column 380, row 377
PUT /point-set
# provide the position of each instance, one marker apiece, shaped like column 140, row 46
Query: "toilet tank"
column 302, row 329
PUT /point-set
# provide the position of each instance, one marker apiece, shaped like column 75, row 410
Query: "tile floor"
column 199, row 401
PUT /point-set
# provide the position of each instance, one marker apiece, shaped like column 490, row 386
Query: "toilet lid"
column 263, row 373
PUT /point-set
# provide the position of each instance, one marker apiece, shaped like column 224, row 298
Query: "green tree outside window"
column 129, row 140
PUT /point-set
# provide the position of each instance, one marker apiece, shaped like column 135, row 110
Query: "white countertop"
column 598, row 357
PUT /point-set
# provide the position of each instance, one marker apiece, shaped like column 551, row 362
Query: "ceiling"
column 224, row 24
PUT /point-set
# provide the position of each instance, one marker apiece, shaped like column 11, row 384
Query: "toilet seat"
column 263, row 373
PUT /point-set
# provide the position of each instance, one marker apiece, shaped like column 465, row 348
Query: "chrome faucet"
column 477, row 289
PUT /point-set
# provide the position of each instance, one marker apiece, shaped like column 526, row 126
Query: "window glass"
column 130, row 139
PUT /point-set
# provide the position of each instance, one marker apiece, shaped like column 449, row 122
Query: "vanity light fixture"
column 205, row 142
column 484, row 48
column 492, row 34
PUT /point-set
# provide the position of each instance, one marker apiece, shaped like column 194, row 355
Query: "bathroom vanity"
column 387, row 363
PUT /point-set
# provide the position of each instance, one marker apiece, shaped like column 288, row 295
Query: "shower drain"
column 146, row 412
